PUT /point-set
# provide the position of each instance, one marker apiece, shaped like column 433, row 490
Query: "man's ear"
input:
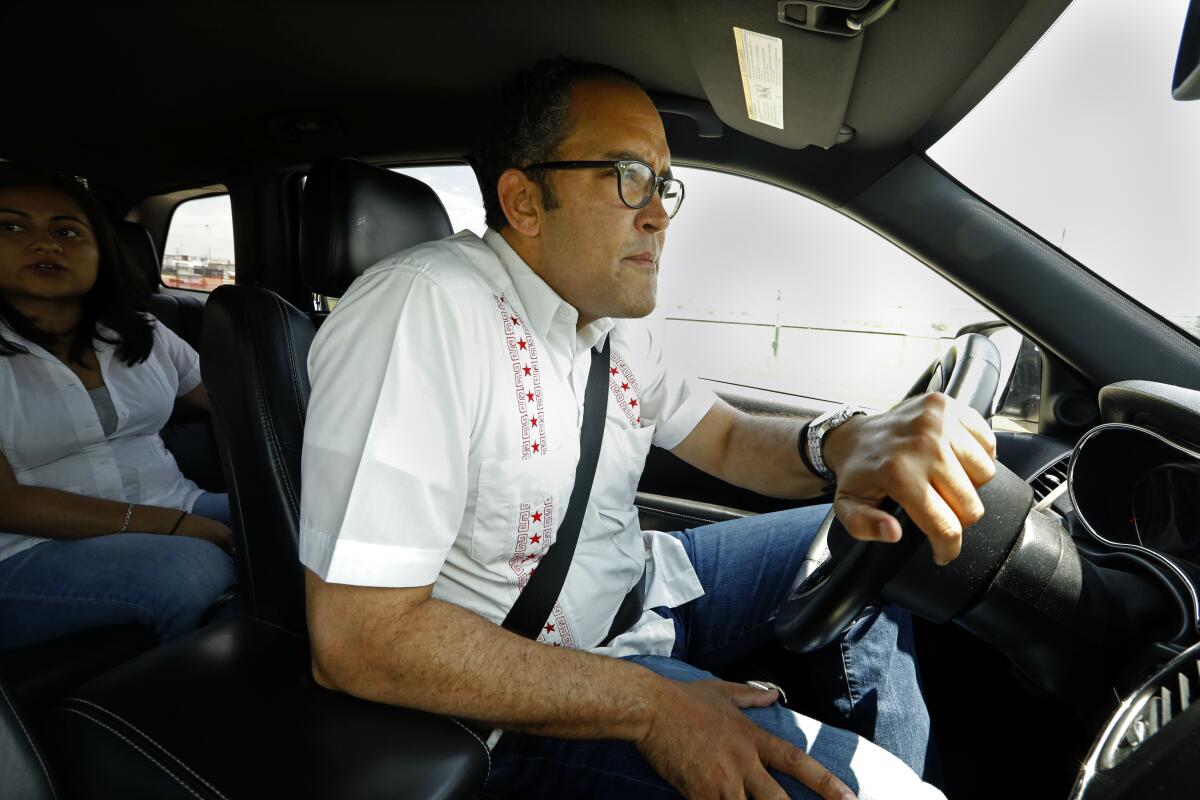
column 521, row 200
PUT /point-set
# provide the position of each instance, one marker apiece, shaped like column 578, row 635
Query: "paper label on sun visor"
column 760, row 58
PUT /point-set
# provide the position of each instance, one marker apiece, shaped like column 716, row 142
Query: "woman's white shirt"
column 51, row 434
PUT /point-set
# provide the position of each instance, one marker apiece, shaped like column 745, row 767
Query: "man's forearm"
column 762, row 456
column 441, row 658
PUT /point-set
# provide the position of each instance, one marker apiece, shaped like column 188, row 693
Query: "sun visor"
column 782, row 71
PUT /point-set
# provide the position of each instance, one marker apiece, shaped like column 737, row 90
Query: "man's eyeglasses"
column 636, row 181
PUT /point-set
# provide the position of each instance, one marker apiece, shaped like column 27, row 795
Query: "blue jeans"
column 214, row 506
column 64, row 586
column 867, row 680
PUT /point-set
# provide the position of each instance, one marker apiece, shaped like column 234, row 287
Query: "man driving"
column 440, row 454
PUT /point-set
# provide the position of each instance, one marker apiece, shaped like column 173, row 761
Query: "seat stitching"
column 282, row 629
column 486, row 752
column 132, row 744
column 143, row 734
column 680, row 515
column 291, row 351
column 282, row 468
column 32, row 744
column 273, row 438
column 293, row 374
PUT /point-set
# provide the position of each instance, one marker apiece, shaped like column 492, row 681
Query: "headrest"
column 354, row 214
column 139, row 248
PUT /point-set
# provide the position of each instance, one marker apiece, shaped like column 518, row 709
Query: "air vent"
column 1050, row 481
column 1163, row 699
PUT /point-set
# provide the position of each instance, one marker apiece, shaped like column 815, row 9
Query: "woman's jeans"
column 867, row 681
column 67, row 585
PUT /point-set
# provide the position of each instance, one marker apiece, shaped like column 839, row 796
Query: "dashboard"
column 1129, row 494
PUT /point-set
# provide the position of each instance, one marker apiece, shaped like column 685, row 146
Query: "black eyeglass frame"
column 659, row 185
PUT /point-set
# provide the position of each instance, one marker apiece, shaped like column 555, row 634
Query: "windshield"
column 1083, row 144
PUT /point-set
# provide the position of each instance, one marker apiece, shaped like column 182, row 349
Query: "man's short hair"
column 528, row 123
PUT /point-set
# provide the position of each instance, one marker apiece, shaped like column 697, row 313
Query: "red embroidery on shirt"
column 625, row 389
column 565, row 639
column 527, row 381
column 530, row 549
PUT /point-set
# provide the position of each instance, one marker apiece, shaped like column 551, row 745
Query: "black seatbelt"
column 537, row 599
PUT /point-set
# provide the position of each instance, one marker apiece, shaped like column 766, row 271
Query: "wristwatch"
column 814, row 437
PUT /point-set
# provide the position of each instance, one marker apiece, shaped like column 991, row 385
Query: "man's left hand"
column 928, row 454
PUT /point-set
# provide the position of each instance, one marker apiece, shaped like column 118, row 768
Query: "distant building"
column 197, row 272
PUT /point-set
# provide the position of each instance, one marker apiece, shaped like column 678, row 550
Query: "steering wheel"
column 841, row 575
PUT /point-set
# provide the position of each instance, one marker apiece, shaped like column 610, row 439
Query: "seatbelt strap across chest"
column 537, row 599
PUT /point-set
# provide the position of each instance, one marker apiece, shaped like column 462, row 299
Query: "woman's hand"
column 207, row 529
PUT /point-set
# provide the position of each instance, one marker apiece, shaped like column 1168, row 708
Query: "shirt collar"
column 98, row 344
column 543, row 306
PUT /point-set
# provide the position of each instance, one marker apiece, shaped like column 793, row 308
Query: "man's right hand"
column 705, row 747
column 207, row 529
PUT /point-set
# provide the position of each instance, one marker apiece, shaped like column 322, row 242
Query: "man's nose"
column 653, row 217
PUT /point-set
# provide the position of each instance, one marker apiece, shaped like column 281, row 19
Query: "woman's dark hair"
column 118, row 298
column 529, row 121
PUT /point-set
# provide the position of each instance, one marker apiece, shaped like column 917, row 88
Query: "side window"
column 762, row 287
column 199, row 250
column 457, row 188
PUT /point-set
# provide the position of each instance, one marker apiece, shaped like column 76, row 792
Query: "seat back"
column 254, row 363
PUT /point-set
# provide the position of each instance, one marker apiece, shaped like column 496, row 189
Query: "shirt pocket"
column 519, row 506
column 622, row 459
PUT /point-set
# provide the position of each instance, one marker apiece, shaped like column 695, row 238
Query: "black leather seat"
column 231, row 711
column 24, row 774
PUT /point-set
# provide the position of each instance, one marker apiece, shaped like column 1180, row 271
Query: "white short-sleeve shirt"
column 51, row 434
column 442, row 439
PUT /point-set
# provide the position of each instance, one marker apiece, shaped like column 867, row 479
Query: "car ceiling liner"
column 781, row 71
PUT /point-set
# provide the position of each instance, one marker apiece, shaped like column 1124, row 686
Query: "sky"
column 202, row 227
column 1083, row 143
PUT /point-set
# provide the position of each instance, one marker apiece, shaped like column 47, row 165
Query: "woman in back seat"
column 99, row 526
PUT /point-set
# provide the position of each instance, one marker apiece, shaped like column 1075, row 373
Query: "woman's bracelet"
column 128, row 516
column 178, row 522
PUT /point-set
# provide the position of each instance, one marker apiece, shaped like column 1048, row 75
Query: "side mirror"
column 1186, row 83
